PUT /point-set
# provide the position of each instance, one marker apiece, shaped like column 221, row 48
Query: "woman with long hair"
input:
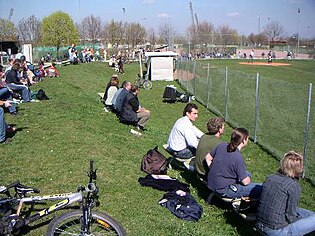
column 227, row 175
column 278, row 212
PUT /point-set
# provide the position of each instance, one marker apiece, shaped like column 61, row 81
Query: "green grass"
column 59, row 136
column 282, row 101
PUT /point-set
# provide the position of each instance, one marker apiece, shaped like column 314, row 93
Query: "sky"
column 245, row 16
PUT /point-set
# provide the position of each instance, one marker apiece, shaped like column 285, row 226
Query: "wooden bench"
column 63, row 63
column 189, row 164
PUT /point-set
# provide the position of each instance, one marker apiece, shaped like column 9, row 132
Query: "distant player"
column 251, row 56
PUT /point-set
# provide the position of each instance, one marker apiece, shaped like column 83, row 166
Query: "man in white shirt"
column 184, row 137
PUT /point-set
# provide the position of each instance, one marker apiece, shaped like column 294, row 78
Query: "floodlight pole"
column 298, row 39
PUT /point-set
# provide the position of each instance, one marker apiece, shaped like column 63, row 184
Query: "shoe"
column 135, row 132
column 140, row 128
column 14, row 113
column 6, row 141
column 105, row 109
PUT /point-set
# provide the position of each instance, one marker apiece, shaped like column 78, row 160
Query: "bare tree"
column 113, row 31
column 151, row 37
column 7, row 30
column 205, row 33
column 274, row 30
column 135, row 34
column 29, row 30
column 167, row 32
column 91, row 28
column 227, row 36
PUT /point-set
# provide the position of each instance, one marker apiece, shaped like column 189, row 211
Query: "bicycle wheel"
column 147, row 85
column 69, row 223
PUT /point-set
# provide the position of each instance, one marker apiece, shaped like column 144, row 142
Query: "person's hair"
column 237, row 137
column 214, row 124
column 188, row 108
column 11, row 60
column 16, row 66
column 292, row 164
column 134, row 88
column 114, row 81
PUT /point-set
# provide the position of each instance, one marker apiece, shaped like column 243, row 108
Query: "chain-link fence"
column 280, row 115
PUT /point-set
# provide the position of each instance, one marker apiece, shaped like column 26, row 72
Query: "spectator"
column 120, row 66
column 227, row 175
column 278, row 212
column 207, row 142
column 132, row 112
column 120, row 96
column 14, row 83
column 52, row 71
column 184, row 136
column 4, row 128
column 110, row 90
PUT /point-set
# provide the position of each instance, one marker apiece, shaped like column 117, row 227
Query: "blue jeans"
column 26, row 96
column 301, row 227
column 3, row 126
column 5, row 94
column 252, row 190
column 186, row 153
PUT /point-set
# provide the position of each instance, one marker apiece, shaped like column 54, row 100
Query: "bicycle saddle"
column 22, row 189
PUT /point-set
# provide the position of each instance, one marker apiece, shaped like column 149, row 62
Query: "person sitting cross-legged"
column 184, row 137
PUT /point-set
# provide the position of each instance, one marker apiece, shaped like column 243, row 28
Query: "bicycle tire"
column 147, row 85
column 69, row 223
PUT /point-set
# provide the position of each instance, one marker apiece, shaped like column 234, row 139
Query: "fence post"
column 256, row 108
column 307, row 126
column 195, row 78
column 208, row 81
column 226, row 93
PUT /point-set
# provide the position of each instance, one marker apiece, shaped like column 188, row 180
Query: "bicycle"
column 143, row 82
column 83, row 222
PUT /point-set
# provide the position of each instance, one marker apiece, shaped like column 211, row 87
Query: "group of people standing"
column 125, row 103
column 223, row 168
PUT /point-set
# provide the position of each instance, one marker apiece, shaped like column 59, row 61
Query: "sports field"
column 58, row 137
column 272, row 100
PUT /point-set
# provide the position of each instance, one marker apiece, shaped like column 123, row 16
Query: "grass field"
column 59, row 136
column 229, row 89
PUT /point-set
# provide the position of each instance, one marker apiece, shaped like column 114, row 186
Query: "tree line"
column 58, row 29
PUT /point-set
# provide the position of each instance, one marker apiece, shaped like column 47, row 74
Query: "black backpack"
column 154, row 162
column 41, row 95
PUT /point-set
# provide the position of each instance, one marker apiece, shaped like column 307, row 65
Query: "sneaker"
column 135, row 132
column 6, row 141
column 105, row 109
column 14, row 113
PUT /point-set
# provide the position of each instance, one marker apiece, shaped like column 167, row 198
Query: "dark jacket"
column 129, row 109
column 12, row 77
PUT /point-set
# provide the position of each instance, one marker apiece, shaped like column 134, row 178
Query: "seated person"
column 278, row 212
column 227, row 172
column 207, row 142
column 120, row 95
column 110, row 90
column 14, row 82
column 4, row 128
column 5, row 94
column 52, row 71
column 132, row 112
column 184, row 136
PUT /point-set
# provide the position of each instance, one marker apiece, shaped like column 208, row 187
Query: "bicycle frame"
column 67, row 199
